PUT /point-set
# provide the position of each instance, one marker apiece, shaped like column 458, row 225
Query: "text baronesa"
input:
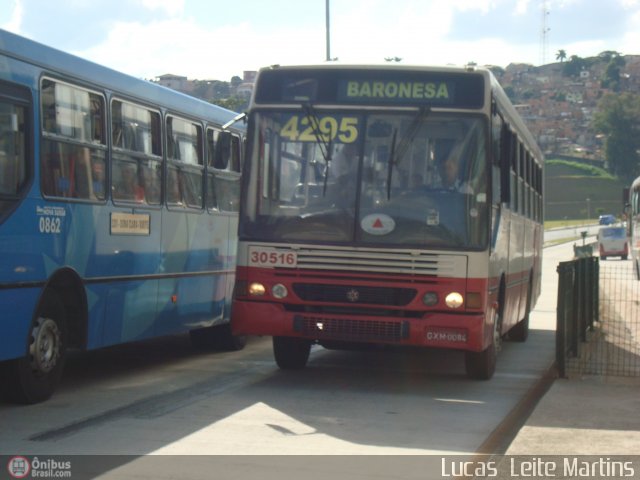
column 416, row 90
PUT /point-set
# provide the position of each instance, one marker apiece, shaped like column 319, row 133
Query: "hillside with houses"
column 558, row 103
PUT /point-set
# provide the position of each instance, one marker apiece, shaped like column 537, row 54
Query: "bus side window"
column 211, row 200
column 74, row 141
column 223, row 151
column 223, row 180
column 13, row 148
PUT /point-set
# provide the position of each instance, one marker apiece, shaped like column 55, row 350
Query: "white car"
column 612, row 242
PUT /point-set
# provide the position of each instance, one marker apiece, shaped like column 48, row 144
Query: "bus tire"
column 482, row 365
column 218, row 337
column 520, row 331
column 291, row 353
column 35, row 377
column 227, row 341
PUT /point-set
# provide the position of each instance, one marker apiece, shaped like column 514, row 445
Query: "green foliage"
column 568, row 185
column 235, row 103
column 612, row 73
column 581, row 169
column 561, row 55
column 497, row 71
column 574, row 66
column 618, row 118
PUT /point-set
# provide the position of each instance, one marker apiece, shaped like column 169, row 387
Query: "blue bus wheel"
column 35, row 377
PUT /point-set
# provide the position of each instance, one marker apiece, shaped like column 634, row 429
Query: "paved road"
column 163, row 398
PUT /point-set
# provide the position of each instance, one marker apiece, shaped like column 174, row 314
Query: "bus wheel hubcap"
column 45, row 346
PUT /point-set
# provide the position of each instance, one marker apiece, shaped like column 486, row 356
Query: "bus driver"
column 449, row 170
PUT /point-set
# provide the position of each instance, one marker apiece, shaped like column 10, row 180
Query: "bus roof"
column 65, row 64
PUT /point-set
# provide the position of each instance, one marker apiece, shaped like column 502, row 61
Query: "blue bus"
column 118, row 214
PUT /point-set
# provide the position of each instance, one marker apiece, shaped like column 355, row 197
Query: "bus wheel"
column 482, row 365
column 520, row 331
column 35, row 377
column 217, row 338
column 291, row 353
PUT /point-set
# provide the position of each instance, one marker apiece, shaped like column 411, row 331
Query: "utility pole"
column 328, row 28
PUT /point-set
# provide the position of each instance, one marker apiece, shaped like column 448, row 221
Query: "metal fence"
column 598, row 329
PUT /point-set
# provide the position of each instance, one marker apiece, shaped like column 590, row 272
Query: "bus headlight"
column 454, row 300
column 279, row 291
column 256, row 289
column 430, row 299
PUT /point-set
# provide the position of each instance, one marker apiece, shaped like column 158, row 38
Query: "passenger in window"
column 98, row 180
column 174, row 195
column 151, row 185
column 129, row 187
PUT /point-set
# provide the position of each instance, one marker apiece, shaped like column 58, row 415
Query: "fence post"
column 596, row 289
column 583, row 281
column 577, row 308
column 564, row 313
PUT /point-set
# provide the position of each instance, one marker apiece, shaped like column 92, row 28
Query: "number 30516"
column 264, row 257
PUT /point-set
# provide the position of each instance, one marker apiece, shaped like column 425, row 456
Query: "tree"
column 607, row 55
column 497, row 71
column 235, row 81
column 237, row 104
column 561, row 55
column 618, row 118
column 574, row 66
column 611, row 77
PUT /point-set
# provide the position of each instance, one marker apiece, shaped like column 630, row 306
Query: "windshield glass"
column 405, row 179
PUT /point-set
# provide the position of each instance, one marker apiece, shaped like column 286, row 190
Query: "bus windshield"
column 409, row 179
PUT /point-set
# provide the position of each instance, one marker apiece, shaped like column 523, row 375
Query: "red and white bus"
column 349, row 233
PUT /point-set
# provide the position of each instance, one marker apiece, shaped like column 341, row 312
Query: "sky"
column 215, row 40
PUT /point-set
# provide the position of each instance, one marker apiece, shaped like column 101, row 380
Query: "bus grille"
column 350, row 330
column 417, row 263
column 355, row 295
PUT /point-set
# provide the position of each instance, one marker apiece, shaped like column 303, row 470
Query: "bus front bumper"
column 438, row 329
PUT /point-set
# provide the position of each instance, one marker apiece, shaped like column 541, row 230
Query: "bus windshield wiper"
column 325, row 146
column 396, row 155
column 412, row 131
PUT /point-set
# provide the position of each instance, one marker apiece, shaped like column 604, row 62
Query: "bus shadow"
column 163, row 397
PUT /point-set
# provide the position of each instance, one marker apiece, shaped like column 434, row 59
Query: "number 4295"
column 308, row 129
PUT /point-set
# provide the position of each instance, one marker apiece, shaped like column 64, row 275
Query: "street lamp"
column 328, row 28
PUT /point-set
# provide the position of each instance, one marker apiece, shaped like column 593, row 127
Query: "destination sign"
column 392, row 91
column 384, row 87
